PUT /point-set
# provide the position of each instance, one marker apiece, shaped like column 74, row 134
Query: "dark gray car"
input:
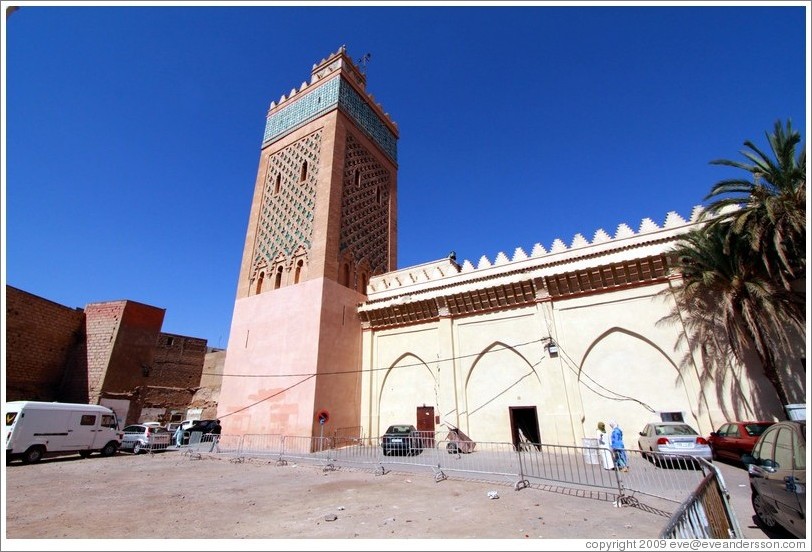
column 777, row 469
column 401, row 439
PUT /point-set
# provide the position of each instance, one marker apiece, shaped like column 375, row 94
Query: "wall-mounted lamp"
column 552, row 348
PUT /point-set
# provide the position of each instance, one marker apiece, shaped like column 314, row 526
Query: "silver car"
column 672, row 441
column 140, row 437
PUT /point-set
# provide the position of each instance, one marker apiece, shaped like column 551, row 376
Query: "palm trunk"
column 772, row 375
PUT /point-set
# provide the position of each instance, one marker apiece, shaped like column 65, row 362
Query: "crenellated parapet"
column 602, row 244
column 335, row 82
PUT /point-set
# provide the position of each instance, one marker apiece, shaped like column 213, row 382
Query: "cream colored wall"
column 617, row 361
column 500, row 364
column 401, row 373
column 471, row 371
column 623, row 361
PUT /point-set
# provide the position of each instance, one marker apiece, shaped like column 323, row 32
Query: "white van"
column 35, row 429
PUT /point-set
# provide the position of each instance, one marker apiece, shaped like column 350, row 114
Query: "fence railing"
column 659, row 481
column 579, row 466
column 706, row 513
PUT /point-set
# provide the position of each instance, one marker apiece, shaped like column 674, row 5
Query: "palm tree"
column 772, row 207
column 728, row 301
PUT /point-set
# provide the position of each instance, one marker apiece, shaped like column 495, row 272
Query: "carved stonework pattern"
column 286, row 212
column 365, row 208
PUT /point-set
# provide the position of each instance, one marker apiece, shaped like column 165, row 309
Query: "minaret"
column 323, row 221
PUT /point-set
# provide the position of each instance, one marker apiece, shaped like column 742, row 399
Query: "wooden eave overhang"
column 501, row 295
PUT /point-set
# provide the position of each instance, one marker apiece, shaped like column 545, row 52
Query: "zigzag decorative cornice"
column 443, row 272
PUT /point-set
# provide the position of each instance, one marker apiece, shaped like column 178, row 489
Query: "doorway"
column 425, row 425
column 524, row 426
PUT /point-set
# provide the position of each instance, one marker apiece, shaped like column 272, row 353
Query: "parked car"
column 202, row 426
column 140, row 437
column 401, row 439
column 672, row 441
column 777, row 470
column 172, row 426
column 36, row 429
column 734, row 439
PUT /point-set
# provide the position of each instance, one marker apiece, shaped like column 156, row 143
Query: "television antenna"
column 364, row 61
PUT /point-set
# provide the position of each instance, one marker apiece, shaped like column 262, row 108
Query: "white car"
column 671, row 441
column 141, row 437
column 177, row 437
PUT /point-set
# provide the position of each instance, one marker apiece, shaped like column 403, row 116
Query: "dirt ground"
column 170, row 495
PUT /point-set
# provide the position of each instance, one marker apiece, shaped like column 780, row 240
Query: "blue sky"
column 132, row 134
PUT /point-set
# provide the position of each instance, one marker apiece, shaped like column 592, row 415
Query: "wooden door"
column 425, row 425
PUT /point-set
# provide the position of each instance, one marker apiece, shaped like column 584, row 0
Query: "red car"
column 736, row 438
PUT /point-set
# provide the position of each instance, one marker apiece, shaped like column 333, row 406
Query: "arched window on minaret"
column 298, row 274
column 303, row 176
column 357, row 178
column 363, row 281
column 259, row 282
column 278, row 185
column 278, row 280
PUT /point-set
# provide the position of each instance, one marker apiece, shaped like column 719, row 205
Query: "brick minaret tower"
column 323, row 221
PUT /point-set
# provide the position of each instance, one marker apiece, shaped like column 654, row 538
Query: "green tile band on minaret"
column 333, row 93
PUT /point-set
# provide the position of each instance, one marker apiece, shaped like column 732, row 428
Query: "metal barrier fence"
column 307, row 449
column 578, row 466
column 669, row 480
column 149, row 448
column 343, row 436
column 664, row 477
column 363, row 453
column 497, row 462
column 207, row 442
column 706, row 513
column 261, row 445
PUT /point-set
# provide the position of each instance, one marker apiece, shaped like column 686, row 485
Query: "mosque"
column 328, row 336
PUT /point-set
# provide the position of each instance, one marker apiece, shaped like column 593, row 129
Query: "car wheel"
column 762, row 510
column 109, row 449
column 137, row 447
column 714, row 454
column 33, row 455
column 643, row 454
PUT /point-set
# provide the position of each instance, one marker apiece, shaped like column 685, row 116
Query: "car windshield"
column 754, row 430
column 678, row 429
column 399, row 429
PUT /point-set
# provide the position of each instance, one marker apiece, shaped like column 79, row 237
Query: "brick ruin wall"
column 177, row 361
column 42, row 339
column 113, row 350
